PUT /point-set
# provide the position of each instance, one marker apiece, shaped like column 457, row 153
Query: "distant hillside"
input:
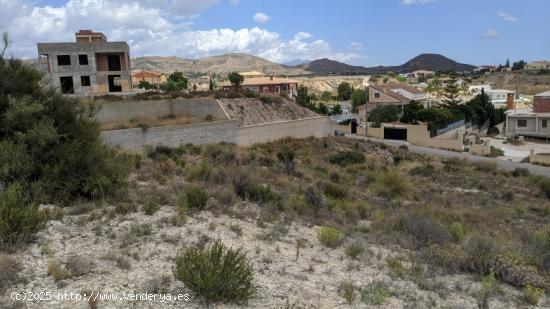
column 217, row 64
column 430, row 62
column 327, row 66
column 525, row 82
column 296, row 62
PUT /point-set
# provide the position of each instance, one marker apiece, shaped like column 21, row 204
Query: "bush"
column 312, row 197
column 344, row 158
column 425, row 170
column 262, row 194
column 196, row 198
column 532, row 295
column 287, row 158
column 330, row 237
column 346, row 289
column 354, row 249
column 216, row 273
column 392, row 184
column 20, row 220
column 151, row 207
column 374, row 295
column 79, row 265
column 480, row 254
column 489, row 285
column 457, row 232
column 57, row 272
column 425, row 230
column 486, row 167
column 520, row 172
column 50, row 144
column 9, row 271
column 335, row 191
column 543, row 183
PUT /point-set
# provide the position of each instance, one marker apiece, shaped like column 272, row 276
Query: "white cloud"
column 507, row 17
column 151, row 30
column 261, row 18
column 355, row 46
column 491, row 34
column 409, row 2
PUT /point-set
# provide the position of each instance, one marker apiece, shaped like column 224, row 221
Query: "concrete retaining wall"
column 317, row 127
column 124, row 111
column 480, row 150
column 419, row 135
column 198, row 133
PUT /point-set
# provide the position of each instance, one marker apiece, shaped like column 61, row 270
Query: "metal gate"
column 395, row 133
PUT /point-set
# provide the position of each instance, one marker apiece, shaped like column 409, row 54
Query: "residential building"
column 533, row 122
column 200, row 84
column 151, row 77
column 268, row 84
column 421, row 73
column 537, row 66
column 498, row 97
column 89, row 66
column 395, row 94
column 485, row 69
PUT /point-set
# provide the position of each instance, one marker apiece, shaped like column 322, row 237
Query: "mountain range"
column 429, row 62
column 241, row 62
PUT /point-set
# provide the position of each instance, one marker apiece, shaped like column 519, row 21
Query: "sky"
column 361, row 32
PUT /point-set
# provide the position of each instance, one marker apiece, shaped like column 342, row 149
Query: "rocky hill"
column 223, row 64
column 430, row 62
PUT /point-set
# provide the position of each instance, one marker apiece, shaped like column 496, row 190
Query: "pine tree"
column 452, row 90
column 507, row 63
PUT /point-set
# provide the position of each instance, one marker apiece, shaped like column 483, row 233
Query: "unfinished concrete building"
column 90, row 66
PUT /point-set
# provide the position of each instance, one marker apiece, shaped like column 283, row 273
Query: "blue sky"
column 365, row 32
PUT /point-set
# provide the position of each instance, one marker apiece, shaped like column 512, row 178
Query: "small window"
column 522, row 123
column 63, row 60
column 66, row 83
column 83, row 59
column 85, row 81
column 265, row 89
column 377, row 94
column 545, row 123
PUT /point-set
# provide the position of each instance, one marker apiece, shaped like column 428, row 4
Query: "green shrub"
column 543, row 183
column 489, row 286
column 262, row 194
column 354, row 249
column 19, row 219
column 51, row 144
column 335, row 191
column 374, row 295
column 346, row 289
column 397, row 268
column 457, row 232
column 392, row 184
column 201, row 172
column 216, row 273
column 330, row 237
column 312, row 197
column 520, row 172
column 495, row 152
column 151, row 207
column 196, row 198
column 241, row 182
column 532, row 295
column 348, row 157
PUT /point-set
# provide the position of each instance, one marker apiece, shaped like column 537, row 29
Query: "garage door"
column 395, row 133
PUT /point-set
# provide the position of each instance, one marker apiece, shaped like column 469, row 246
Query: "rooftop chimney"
column 510, row 104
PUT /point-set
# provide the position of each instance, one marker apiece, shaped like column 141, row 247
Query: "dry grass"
column 453, row 200
column 151, row 122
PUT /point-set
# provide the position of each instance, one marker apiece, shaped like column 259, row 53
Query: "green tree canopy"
column 384, row 113
column 235, row 79
column 358, row 98
column 411, row 113
column 176, row 81
column 452, row 92
column 344, row 91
